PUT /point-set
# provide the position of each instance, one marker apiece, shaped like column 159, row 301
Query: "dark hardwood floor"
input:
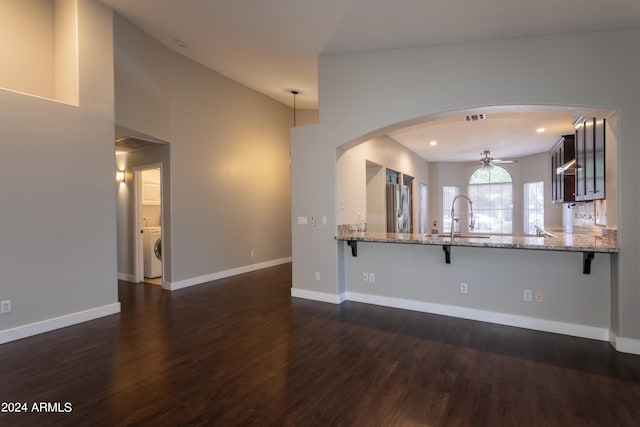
column 241, row 351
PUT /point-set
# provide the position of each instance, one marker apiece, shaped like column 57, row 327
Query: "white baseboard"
column 317, row 296
column 48, row 325
column 126, row 277
column 571, row 329
column 173, row 286
column 626, row 345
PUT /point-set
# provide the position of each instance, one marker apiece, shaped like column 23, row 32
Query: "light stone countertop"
column 569, row 242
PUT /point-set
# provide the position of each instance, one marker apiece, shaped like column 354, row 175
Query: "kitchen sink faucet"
column 471, row 220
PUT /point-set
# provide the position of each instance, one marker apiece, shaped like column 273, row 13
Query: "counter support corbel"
column 447, row 253
column 587, row 257
column 353, row 244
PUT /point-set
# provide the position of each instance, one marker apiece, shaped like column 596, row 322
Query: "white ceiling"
column 273, row 46
column 509, row 132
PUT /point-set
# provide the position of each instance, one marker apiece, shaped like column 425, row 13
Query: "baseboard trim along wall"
column 582, row 331
column 48, row 325
column 572, row 329
column 126, row 277
column 626, row 345
column 173, row 286
column 317, row 296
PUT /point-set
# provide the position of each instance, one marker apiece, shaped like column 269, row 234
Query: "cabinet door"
column 580, row 180
column 589, row 164
column 568, row 179
column 555, row 181
column 150, row 193
column 599, row 160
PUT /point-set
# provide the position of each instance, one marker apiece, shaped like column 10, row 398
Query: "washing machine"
column 152, row 251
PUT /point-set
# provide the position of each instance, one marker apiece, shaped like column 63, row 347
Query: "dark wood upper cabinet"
column 590, row 156
column 599, row 160
column 563, row 184
column 580, row 159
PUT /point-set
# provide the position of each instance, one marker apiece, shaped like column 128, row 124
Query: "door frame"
column 138, row 259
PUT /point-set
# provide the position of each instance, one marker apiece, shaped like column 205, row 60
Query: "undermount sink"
column 464, row 236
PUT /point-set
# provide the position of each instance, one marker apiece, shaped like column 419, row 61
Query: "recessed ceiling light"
column 433, row 143
column 540, row 130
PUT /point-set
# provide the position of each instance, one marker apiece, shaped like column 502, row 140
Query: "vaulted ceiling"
column 272, row 46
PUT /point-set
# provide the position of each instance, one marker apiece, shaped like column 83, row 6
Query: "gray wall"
column 27, row 34
column 58, row 230
column 496, row 279
column 230, row 190
column 389, row 88
column 352, row 180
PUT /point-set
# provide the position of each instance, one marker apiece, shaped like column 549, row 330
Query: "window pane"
column 492, row 194
column 533, row 206
column 499, row 174
column 495, row 174
column 507, row 196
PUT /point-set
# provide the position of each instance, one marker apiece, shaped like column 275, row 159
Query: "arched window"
column 491, row 190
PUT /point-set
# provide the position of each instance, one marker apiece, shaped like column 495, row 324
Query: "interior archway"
column 442, row 148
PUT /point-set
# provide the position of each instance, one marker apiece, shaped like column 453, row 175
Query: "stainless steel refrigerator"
column 398, row 208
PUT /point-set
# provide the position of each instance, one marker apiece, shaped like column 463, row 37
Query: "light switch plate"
column 5, row 306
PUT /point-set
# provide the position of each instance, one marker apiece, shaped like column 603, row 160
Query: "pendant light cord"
column 294, row 92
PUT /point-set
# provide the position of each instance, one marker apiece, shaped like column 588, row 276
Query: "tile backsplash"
column 583, row 215
column 350, row 228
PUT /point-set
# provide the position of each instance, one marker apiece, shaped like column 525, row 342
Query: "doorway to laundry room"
column 149, row 218
column 142, row 200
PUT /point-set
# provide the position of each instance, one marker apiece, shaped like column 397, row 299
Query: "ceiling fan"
column 487, row 161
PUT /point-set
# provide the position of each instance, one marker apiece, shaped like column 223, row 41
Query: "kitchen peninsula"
column 588, row 243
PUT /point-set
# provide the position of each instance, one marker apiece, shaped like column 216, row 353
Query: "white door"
column 146, row 193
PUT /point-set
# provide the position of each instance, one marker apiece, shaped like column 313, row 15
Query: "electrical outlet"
column 464, row 288
column 253, row 253
column 5, row 306
column 365, row 276
column 372, row 278
column 539, row 296
column 317, row 275
column 526, row 295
